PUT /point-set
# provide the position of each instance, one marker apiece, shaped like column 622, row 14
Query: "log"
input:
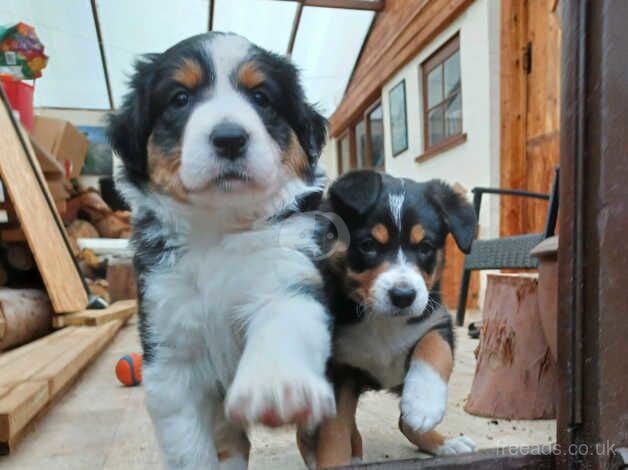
column 82, row 229
column 4, row 274
column 25, row 314
column 515, row 376
column 19, row 257
column 121, row 279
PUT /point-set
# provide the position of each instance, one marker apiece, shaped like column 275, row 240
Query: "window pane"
column 376, row 118
column 345, row 158
column 435, row 126
column 435, row 86
column 452, row 74
column 360, row 140
column 453, row 116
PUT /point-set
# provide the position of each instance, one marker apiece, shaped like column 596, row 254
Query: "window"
column 398, row 120
column 362, row 145
column 442, row 96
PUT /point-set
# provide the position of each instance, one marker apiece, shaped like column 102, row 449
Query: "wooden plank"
column 39, row 222
column 23, row 402
column 120, row 310
column 19, row 406
column 400, row 32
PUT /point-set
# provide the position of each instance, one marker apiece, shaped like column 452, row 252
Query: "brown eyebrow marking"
column 417, row 234
column 380, row 233
column 189, row 73
column 250, row 76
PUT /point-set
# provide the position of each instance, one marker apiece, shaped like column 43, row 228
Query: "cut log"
column 82, row 229
column 515, row 376
column 4, row 276
column 121, row 279
column 19, row 257
column 26, row 315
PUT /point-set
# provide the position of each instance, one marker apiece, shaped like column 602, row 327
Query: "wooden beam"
column 120, row 310
column 344, row 4
column 295, row 28
column 101, row 48
column 210, row 18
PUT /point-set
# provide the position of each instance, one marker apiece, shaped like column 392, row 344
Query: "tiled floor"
column 102, row 425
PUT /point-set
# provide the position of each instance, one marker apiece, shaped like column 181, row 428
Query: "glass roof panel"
column 131, row 28
column 74, row 76
column 266, row 23
column 326, row 48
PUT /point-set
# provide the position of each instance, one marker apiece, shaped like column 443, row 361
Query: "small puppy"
column 219, row 151
column 391, row 331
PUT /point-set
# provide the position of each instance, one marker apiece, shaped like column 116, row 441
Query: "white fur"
column 424, row 397
column 395, row 202
column 400, row 274
column 456, row 445
column 379, row 345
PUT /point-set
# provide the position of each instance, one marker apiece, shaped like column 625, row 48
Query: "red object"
column 20, row 96
column 129, row 369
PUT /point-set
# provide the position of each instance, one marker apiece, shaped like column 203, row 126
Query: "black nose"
column 402, row 297
column 229, row 140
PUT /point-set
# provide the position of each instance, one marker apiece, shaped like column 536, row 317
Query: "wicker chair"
column 508, row 252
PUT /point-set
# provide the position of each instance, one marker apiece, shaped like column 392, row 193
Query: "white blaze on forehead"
column 227, row 52
column 395, row 201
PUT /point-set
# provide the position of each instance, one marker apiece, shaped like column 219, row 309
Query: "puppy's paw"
column 456, row 445
column 291, row 395
column 424, row 398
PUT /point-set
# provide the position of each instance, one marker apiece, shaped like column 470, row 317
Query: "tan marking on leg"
column 380, row 233
column 335, row 434
column 417, row 234
column 163, row 170
column 434, row 277
column 189, row 74
column 294, row 158
column 360, row 284
column 250, row 76
column 356, row 442
column 428, row 441
column 435, row 351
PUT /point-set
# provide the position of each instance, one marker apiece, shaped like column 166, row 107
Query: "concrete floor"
column 101, row 425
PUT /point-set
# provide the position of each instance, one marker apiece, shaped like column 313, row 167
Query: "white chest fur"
column 378, row 345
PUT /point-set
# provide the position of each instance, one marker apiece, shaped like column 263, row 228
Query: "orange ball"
column 129, row 369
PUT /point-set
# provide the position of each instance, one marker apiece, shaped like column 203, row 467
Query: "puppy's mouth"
column 231, row 180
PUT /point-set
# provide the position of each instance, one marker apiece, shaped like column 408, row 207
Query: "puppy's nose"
column 229, row 140
column 402, row 297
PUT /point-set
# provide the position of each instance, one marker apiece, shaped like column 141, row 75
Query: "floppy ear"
column 129, row 127
column 456, row 211
column 312, row 132
column 356, row 192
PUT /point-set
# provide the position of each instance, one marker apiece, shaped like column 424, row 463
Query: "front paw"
column 286, row 397
column 424, row 398
column 455, row 446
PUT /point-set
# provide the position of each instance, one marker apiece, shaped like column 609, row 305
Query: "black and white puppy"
column 219, row 151
column 391, row 331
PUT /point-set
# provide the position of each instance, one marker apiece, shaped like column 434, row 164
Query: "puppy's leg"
column 182, row 413
column 356, row 444
column 424, row 396
column 232, row 443
column 281, row 375
column 337, row 436
column 435, row 443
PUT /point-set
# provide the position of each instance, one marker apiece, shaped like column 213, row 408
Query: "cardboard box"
column 62, row 140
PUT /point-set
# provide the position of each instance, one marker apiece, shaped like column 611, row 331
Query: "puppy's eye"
column 368, row 247
column 425, row 248
column 180, row 100
column 261, row 99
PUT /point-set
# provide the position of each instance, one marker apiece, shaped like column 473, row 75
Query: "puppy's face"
column 397, row 233
column 216, row 121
